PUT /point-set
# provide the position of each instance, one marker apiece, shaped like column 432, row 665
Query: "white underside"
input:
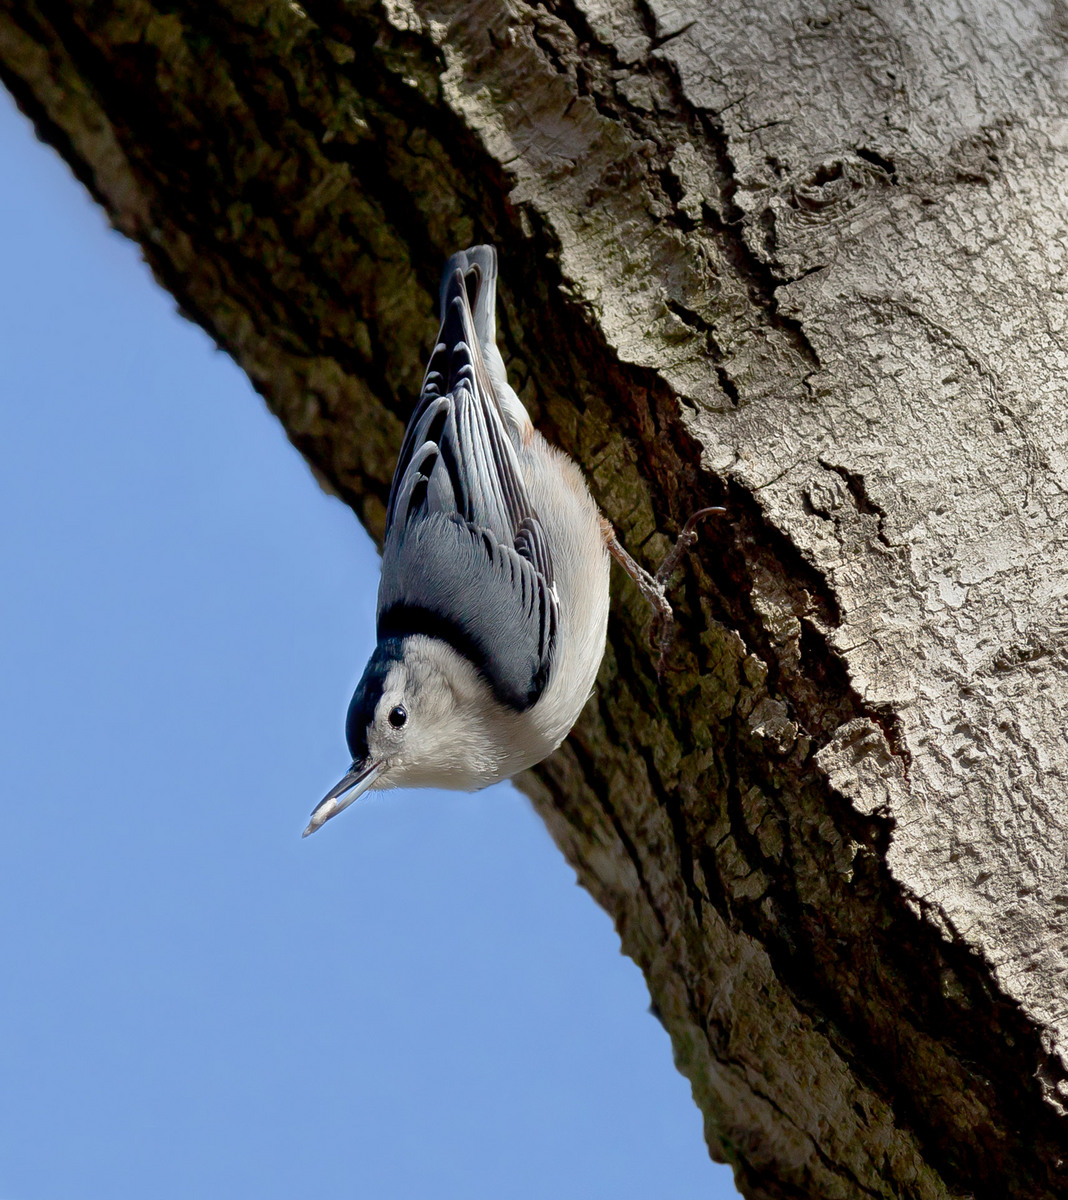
column 581, row 567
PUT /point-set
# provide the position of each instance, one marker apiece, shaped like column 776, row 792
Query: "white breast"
column 581, row 567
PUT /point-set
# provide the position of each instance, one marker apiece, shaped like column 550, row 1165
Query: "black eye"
column 398, row 715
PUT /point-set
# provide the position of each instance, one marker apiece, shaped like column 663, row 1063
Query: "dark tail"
column 478, row 266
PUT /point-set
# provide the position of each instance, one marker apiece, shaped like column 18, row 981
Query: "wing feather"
column 466, row 557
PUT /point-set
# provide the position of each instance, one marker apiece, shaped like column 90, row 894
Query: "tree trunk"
column 804, row 258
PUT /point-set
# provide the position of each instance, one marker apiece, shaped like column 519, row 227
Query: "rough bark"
column 805, row 258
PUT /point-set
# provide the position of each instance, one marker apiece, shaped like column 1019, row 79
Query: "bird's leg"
column 654, row 587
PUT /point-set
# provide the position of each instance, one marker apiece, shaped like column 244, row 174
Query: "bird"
column 494, row 594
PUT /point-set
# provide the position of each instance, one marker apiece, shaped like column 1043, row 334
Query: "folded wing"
column 466, row 558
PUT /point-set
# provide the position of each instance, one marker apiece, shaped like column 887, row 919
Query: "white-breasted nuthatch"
column 493, row 601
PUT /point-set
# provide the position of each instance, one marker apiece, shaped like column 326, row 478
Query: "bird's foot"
column 654, row 587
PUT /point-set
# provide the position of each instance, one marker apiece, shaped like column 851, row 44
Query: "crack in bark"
column 855, row 483
column 831, row 1165
column 698, row 127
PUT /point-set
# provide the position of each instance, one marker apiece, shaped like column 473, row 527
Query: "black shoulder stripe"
column 403, row 620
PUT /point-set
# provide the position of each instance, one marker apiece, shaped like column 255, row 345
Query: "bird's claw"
column 683, row 542
column 654, row 587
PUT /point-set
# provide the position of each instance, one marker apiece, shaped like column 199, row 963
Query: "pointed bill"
column 341, row 795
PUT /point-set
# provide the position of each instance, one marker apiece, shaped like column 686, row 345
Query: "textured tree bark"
column 802, row 257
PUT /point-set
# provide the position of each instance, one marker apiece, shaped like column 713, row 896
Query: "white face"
column 388, row 733
column 437, row 725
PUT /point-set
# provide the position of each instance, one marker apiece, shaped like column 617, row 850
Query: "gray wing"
column 466, row 558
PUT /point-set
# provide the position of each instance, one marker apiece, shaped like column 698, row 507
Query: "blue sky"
column 416, row 1002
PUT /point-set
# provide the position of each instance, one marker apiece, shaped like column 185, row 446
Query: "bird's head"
column 421, row 716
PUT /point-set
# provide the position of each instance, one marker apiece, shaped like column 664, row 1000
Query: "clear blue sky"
column 416, row 1002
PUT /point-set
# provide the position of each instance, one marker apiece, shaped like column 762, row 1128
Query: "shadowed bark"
column 805, row 259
